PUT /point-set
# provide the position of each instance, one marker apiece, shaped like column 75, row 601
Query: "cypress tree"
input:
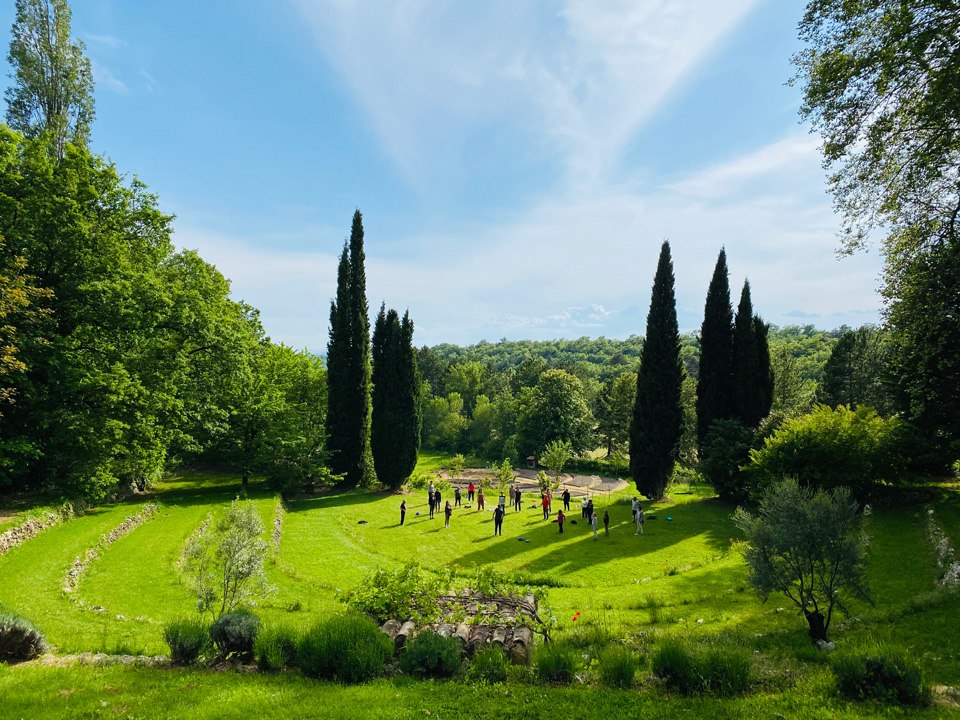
column 764, row 393
column 746, row 363
column 348, row 363
column 715, row 384
column 657, row 423
column 396, row 419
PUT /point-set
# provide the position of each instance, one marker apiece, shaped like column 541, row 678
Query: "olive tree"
column 555, row 455
column 807, row 545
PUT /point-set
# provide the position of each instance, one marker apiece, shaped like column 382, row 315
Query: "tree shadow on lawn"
column 575, row 549
column 335, row 500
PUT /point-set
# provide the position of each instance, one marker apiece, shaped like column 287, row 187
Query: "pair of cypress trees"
column 736, row 380
column 382, row 424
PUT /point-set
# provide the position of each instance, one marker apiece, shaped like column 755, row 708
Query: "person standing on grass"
column 430, row 489
column 456, row 496
column 593, row 524
column 437, row 499
column 549, row 500
column 498, row 520
column 545, row 502
column 502, row 501
column 403, row 510
column 447, row 512
column 513, row 495
column 560, row 518
column 470, row 491
column 606, row 523
column 516, row 500
column 480, row 499
column 566, row 499
column 639, row 518
column 634, row 504
column 433, row 501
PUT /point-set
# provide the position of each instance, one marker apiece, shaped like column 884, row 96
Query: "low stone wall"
column 477, row 622
column 80, row 565
column 32, row 527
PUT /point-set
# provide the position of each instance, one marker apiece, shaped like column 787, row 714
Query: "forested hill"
column 602, row 357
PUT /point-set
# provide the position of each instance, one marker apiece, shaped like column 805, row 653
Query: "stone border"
column 81, row 565
column 279, row 511
column 33, row 526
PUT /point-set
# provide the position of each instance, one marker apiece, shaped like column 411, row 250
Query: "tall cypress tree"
column 764, row 393
column 746, row 362
column 657, row 423
column 396, row 419
column 715, row 384
column 348, row 363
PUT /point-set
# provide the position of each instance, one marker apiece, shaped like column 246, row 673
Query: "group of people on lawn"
column 546, row 501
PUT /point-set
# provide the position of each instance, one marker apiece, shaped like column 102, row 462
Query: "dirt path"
column 580, row 486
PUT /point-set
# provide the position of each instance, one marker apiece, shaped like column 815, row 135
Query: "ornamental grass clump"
column 187, row 638
column 889, row 677
column 723, row 672
column 345, row 648
column 276, row 647
column 489, row 665
column 618, row 666
column 19, row 639
column 430, row 654
column 555, row 663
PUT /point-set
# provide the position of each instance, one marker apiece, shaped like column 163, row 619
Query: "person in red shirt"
column 470, row 491
column 560, row 518
column 545, row 502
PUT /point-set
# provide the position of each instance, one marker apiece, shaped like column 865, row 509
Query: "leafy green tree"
column 52, row 90
column 792, row 393
column 806, row 545
column 348, row 363
column 397, row 419
column 658, row 413
column 858, row 371
column 752, row 381
column 456, row 466
column 715, row 390
column 504, row 475
column 433, row 368
column 831, row 447
column 729, row 443
column 225, row 564
column 557, row 410
column 443, row 423
column 615, row 410
column 468, row 379
column 555, row 455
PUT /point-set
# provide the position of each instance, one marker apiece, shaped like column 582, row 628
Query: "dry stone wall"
column 33, row 526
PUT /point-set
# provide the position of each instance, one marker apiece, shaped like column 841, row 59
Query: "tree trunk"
column 246, row 480
column 817, row 629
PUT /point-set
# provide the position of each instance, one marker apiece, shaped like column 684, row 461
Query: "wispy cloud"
column 107, row 40
column 151, row 83
column 103, row 77
column 581, row 79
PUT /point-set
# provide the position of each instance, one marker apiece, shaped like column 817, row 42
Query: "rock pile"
column 477, row 622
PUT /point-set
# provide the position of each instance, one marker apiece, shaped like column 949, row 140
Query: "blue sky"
column 517, row 163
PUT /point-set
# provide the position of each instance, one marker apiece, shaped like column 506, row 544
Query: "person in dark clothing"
column 560, row 518
column 403, row 510
column 436, row 500
column 456, row 497
column 481, row 498
column 447, row 512
column 606, row 522
column 433, row 503
column 566, row 500
column 516, row 500
column 498, row 520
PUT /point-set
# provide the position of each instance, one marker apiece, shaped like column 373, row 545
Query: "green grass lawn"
column 683, row 577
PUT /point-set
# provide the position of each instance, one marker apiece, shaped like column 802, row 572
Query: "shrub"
column 618, row 665
column 407, row 592
column 276, row 647
column 19, row 639
column 555, row 663
column 187, row 638
column 720, row 671
column 677, row 667
column 346, row 648
column 726, row 451
column 890, row 678
column 431, row 655
column 490, row 665
column 235, row 633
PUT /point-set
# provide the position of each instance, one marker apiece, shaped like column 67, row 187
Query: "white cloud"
column 107, row 40
column 151, row 83
column 580, row 80
column 104, row 78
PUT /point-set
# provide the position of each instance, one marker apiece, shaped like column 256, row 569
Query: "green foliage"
column 833, row 447
column 407, row 592
column 225, row 565
column 555, row 455
column 556, row 411
column 618, row 666
column 187, row 638
column 52, row 90
column 726, row 452
column 19, row 639
column 752, row 380
column 715, row 383
column 430, row 654
column 234, row 633
column 658, row 413
column 468, row 380
column 348, row 363
column 443, row 423
column 858, row 371
column 456, row 466
column 614, row 411
column 503, row 475
column 806, row 545
column 396, row 418
column 276, row 647
column 889, row 677
column 344, row 648
column 555, row 663
column 719, row 671
column 489, row 665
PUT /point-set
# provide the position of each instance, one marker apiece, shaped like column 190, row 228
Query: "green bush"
column 555, row 663
column 719, row 671
column 889, row 678
column 489, row 665
column 19, row 639
column 276, row 647
column 406, row 592
column 618, row 666
column 345, row 648
column 235, row 633
column 187, row 637
column 431, row 655
column 831, row 448
column 726, row 450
